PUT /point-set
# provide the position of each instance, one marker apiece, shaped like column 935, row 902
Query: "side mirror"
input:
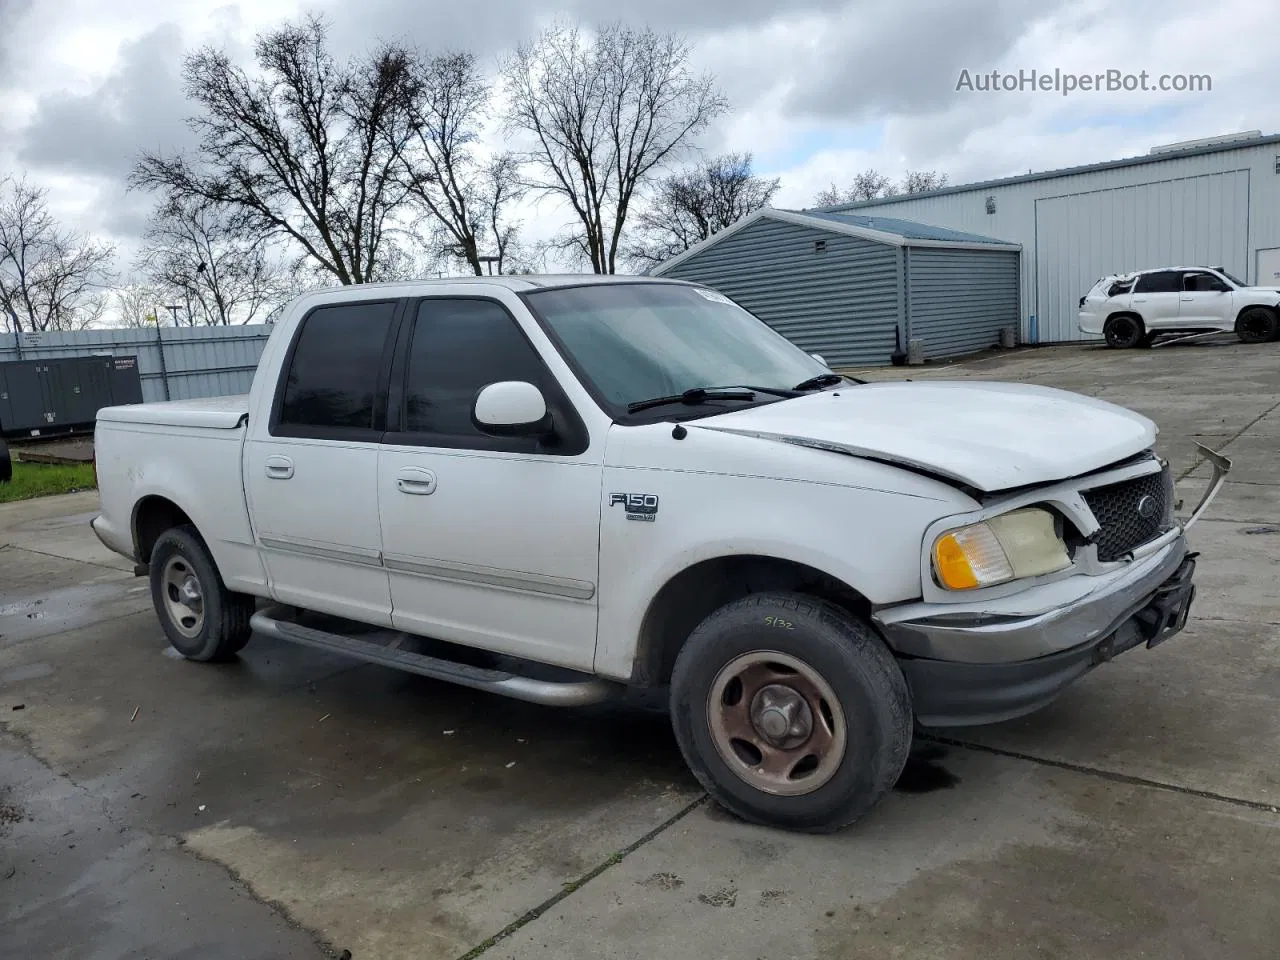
column 818, row 357
column 511, row 408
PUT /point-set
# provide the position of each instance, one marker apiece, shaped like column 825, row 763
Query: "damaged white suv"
column 1132, row 309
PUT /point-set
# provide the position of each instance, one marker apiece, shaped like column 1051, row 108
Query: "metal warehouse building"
column 1212, row 202
column 856, row 288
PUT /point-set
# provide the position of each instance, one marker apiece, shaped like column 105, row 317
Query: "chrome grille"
column 1116, row 507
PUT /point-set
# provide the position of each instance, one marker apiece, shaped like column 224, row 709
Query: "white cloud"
column 820, row 88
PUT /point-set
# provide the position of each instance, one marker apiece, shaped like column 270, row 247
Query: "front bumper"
column 963, row 694
column 1039, row 622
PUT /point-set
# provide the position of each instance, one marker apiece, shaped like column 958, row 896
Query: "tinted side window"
column 1203, row 282
column 1120, row 286
column 1165, row 281
column 458, row 347
column 333, row 374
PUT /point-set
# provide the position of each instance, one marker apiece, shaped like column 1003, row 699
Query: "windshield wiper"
column 821, row 380
column 695, row 395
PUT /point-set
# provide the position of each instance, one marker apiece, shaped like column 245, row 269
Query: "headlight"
column 1022, row 543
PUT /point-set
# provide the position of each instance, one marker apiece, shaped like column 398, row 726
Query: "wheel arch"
column 1273, row 309
column 1127, row 312
column 694, row 592
column 152, row 515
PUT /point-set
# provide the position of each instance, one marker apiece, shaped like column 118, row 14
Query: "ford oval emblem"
column 1147, row 507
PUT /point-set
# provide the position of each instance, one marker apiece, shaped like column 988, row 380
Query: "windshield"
column 636, row 341
column 1238, row 283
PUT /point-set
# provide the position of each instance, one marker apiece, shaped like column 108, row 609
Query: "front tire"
column 1123, row 332
column 791, row 712
column 1257, row 325
column 201, row 618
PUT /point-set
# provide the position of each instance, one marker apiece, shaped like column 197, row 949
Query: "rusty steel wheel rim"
column 776, row 723
column 183, row 597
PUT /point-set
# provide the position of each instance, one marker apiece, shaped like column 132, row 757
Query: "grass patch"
column 45, row 480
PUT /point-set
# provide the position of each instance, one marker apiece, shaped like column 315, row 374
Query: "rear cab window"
column 332, row 387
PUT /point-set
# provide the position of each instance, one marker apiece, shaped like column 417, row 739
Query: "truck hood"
column 989, row 436
column 214, row 413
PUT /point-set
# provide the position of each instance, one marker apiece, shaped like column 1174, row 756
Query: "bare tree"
column 51, row 277
column 303, row 147
column 138, row 305
column 922, row 181
column 465, row 198
column 867, row 185
column 873, row 185
column 195, row 255
column 689, row 206
column 605, row 116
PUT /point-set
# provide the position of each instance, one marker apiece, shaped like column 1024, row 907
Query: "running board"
column 550, row 693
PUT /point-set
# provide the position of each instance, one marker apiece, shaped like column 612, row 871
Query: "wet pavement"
column 292, row 804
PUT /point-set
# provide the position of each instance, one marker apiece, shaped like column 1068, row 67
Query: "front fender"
column 867, row 539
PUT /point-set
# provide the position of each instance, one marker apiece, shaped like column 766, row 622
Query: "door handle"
column 416, row 481
column 279, row 468
column 1139, row 299
column 1188, row 299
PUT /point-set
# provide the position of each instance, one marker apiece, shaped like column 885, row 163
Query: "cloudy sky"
column 820, row 88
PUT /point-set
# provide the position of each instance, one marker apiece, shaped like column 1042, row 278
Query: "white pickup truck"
column 552, row 488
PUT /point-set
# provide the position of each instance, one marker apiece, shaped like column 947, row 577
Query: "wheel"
column 200, row 616
column 791, row 712
column 1123, row 332
column 1257, row 325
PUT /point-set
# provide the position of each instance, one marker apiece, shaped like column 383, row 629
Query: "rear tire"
column 201, row 618
column 791, row 712
column 1123, row 332
column 1257, row 325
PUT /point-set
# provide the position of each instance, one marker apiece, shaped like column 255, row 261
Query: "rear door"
column 490, row 542
column 1157, row 298
column 311, row 473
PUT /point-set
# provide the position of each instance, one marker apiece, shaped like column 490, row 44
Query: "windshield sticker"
column 714, row 297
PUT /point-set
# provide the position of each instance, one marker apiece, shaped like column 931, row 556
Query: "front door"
column 489, row 542
column 1206, row 301
column 311, row 472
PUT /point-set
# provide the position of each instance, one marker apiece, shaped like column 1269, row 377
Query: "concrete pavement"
column 293, row 804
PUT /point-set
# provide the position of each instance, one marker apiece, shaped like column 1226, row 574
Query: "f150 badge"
column 638, row 506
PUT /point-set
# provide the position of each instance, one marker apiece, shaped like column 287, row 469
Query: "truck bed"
column 214, row 413
column 186, row 453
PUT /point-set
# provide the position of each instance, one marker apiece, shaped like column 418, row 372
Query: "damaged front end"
column 991, row 652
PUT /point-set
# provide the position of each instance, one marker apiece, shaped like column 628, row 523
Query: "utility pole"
column 490, row 261
column 173, row 308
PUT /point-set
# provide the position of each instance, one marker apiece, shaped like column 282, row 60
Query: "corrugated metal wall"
column 1014, row 218
column 1085, row 236
column 958, row 300
column 842, row 303
column 174, row 363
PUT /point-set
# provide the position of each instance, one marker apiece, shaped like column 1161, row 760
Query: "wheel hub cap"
column 777, row 723
column 781, row 716
column 184, row 597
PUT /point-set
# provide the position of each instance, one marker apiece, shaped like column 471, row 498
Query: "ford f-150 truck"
column 552, row 488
